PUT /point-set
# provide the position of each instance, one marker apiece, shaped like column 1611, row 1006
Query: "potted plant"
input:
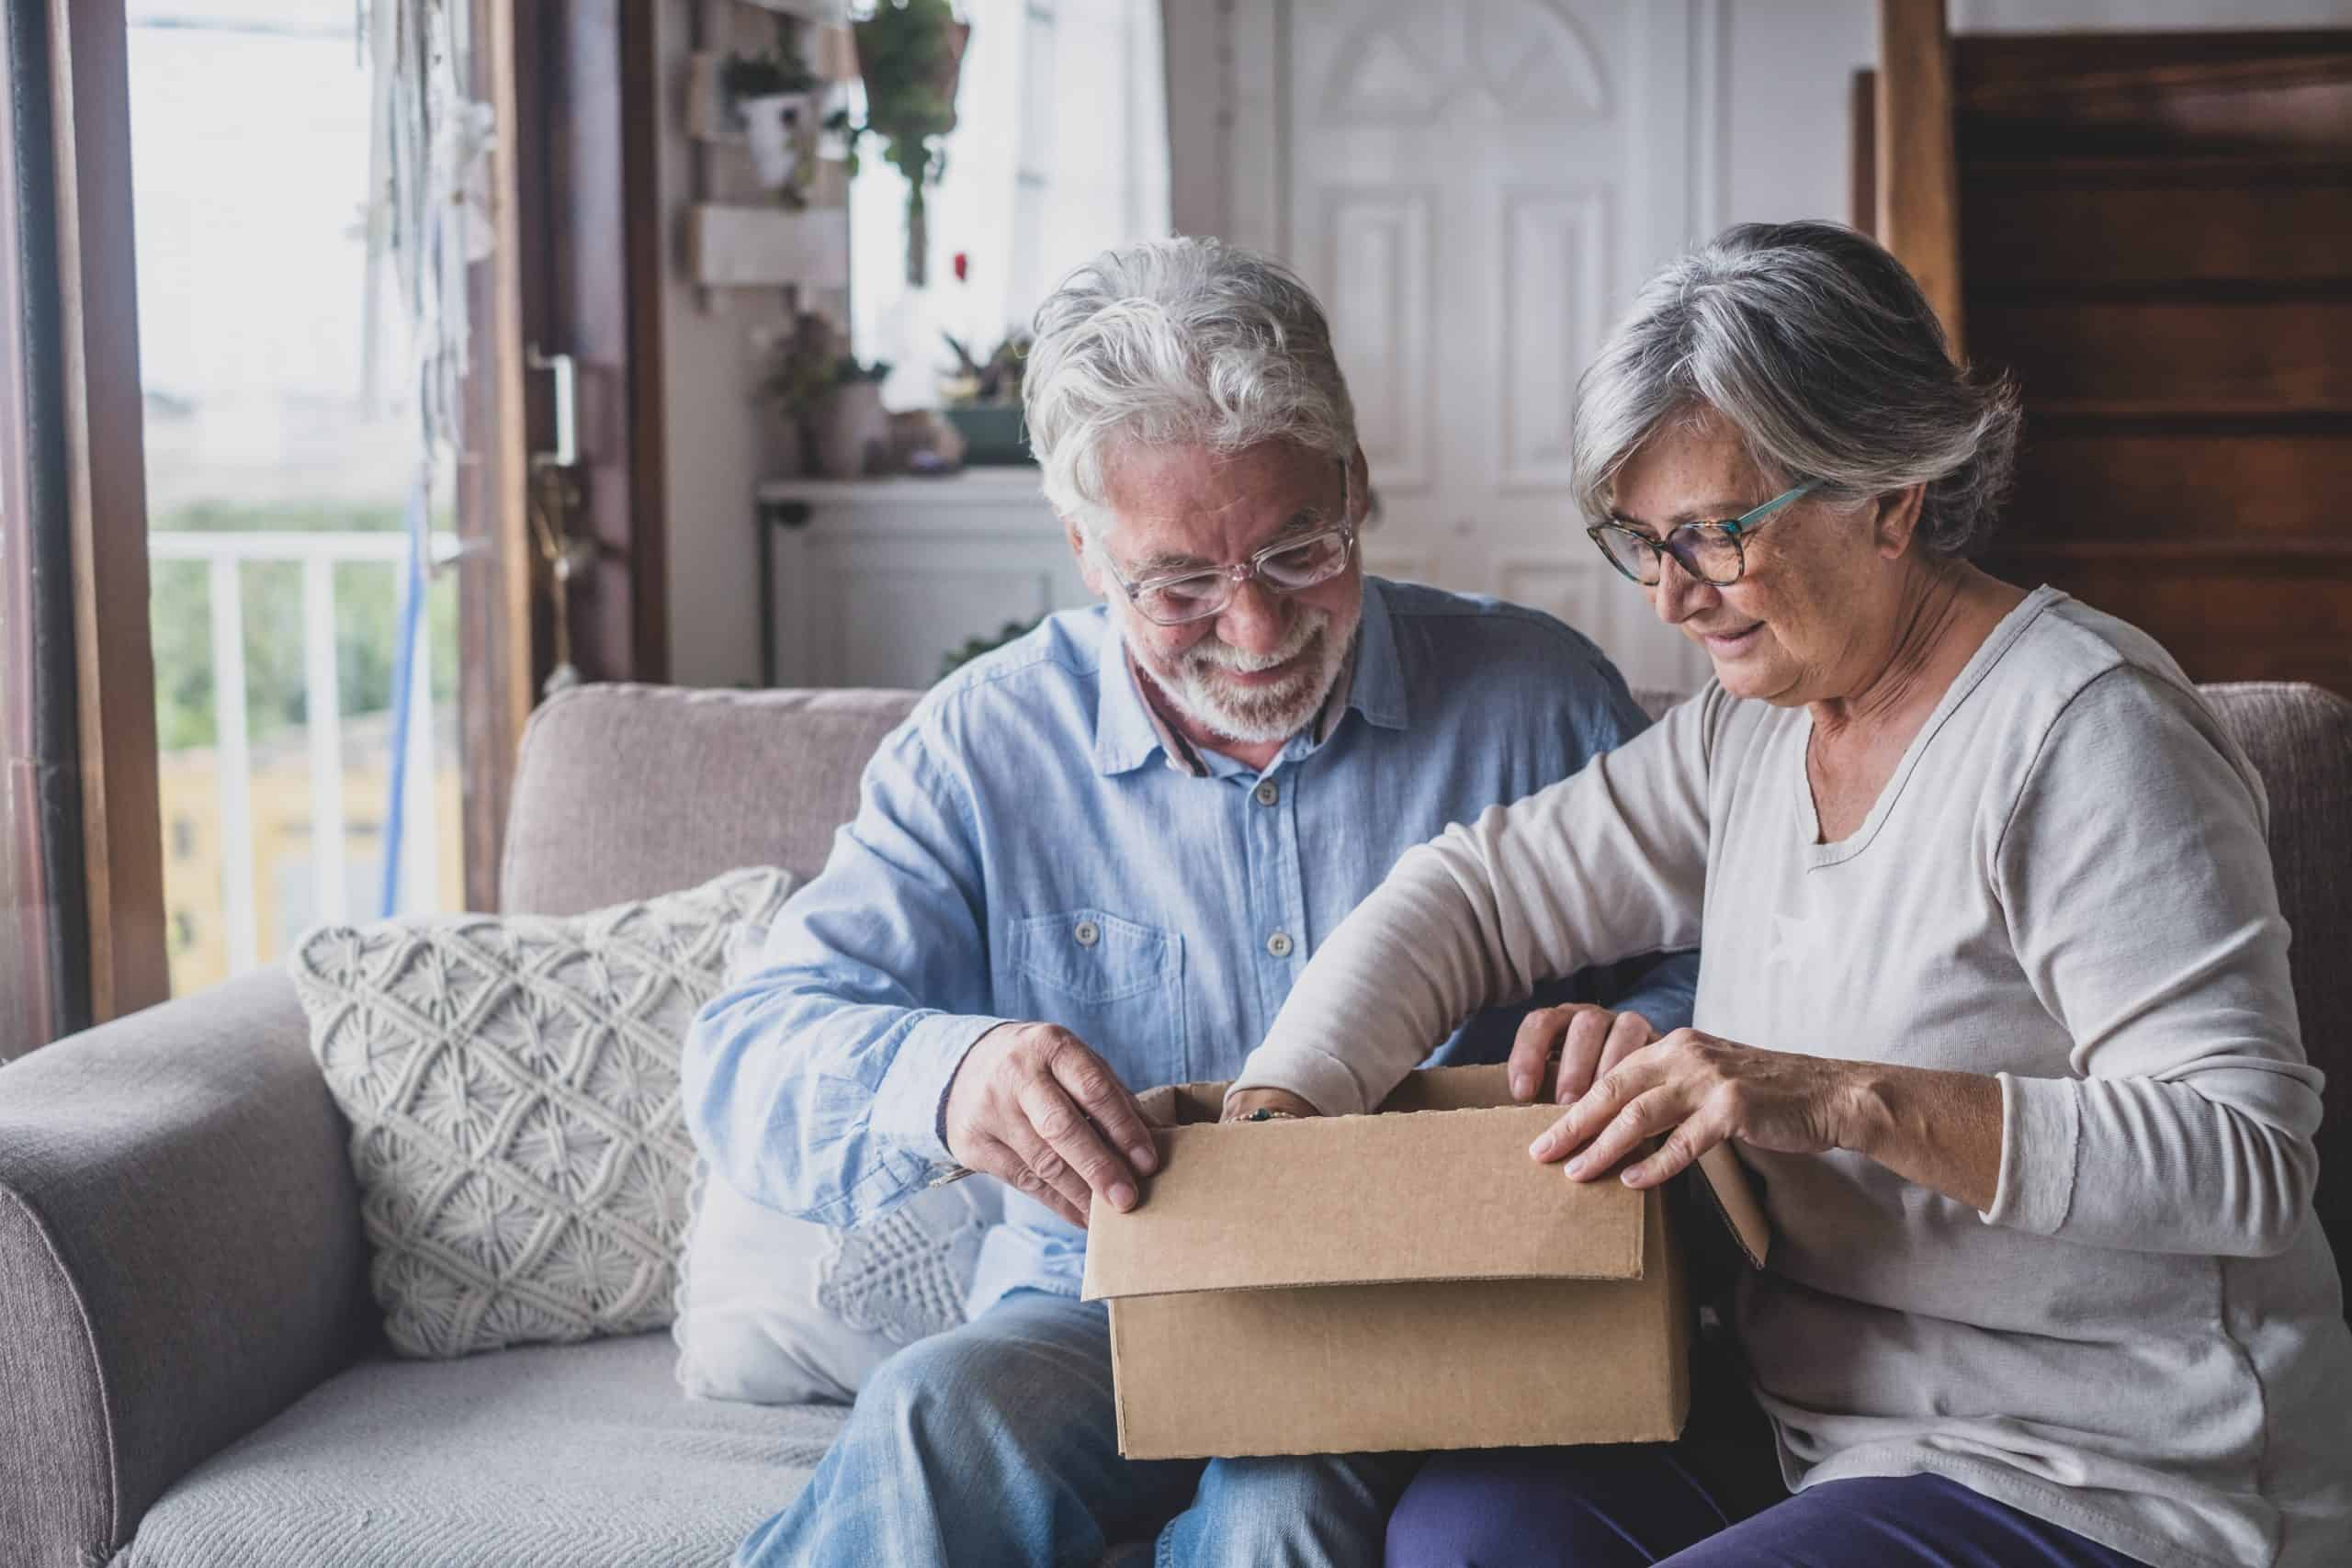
column 983, row 401
column 830, row 401
column 770, row 94
column 911, row 55
column 853, row 431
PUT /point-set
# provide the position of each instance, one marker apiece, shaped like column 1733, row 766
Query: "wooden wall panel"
column 2094, row 224
column 2157, row 233
column 2171, row 357
column 2268, row 490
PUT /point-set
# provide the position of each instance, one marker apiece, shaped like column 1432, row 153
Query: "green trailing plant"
column 910, row 54
column 957, row 658
column 765, row 77
column 995, row 380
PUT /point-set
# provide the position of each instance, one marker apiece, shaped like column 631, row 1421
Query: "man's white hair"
column 1184, row 341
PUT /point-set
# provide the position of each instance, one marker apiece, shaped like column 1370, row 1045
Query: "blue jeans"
column 997, row 1444
column 1636, row 1505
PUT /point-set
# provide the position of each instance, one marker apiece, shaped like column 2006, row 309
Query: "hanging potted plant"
column 770, row 94
column 911, row 55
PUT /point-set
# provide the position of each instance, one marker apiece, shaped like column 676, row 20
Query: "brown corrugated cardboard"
column 1408, row 1279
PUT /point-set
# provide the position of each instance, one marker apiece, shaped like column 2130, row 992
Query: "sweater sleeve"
column 2137, row 883
column 1607, row 864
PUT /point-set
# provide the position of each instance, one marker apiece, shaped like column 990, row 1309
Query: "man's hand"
column 1587, row 1039
column 1033, row 1106
column 1237, row 1106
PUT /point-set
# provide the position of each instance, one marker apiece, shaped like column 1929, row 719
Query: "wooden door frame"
column 578, row 270
column 588, row 115
column 498, row 658
column 1914, row 199
column 44, row 981
column 102, row 420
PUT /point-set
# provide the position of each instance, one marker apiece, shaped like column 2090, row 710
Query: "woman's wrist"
column 1938, row 1129
column 1866, row 1118
column 1244, row 1102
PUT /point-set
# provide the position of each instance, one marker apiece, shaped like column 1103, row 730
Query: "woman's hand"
column 1587, row 1039
column 1237, row 1106
column 1696, row 1090
column 1941, row 1130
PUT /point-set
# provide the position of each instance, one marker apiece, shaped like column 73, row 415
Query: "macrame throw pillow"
column 512, row 1084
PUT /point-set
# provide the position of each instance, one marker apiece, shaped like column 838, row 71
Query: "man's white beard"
column 1196, row 683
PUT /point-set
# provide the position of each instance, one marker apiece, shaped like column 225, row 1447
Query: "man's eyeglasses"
column 1287, row 566
column 1712, row 552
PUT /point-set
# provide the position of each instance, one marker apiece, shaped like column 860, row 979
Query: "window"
column 1060, row 149
column 282, row 446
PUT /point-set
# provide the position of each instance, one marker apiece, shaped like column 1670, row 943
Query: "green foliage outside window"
column 366, row 596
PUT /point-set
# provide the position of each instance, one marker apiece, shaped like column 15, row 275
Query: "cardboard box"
column 1408, row 1280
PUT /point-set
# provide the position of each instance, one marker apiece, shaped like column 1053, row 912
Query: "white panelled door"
column 1473, row 188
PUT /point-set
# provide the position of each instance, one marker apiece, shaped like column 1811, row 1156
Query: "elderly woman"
column 1994, row 999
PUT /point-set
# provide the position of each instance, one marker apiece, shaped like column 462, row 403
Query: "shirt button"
column 1267, row 793
column 1279, row 944
column 1088, row 934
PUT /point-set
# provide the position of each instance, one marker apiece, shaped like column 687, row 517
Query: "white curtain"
column 1060, row 149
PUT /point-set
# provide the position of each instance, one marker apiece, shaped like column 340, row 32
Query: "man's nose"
column 1257, row 620
column 1679, row 595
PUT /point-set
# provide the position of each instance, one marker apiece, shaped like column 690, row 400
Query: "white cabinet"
column 879, row 579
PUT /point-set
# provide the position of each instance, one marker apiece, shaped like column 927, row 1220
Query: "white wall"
column 1792, row 63
column 722, row 439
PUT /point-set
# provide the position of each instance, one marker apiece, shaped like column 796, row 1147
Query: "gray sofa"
column 190, row 1367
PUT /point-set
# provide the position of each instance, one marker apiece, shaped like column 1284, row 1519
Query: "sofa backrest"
column 2299, row 739
column 623, row 792
column 627, row 791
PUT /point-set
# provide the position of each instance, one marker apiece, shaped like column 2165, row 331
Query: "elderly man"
column 1096, row 860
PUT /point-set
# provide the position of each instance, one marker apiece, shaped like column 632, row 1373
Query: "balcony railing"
column 225, row 555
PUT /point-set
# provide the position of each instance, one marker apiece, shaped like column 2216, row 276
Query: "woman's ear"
column 1896, row 519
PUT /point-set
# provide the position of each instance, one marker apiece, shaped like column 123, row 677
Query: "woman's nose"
column 1679, row 595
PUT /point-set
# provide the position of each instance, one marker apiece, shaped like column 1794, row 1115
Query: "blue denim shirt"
column 1025, row 848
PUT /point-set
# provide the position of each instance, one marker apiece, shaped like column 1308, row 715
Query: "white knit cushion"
column 773, row 1310
column 777, row 1311
column 512, row 1084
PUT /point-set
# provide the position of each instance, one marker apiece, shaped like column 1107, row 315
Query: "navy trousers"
column 1634, row 1505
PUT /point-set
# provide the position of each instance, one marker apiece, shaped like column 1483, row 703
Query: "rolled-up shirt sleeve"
column 2137, row 883
column 816, row 1082
column 1605, row 864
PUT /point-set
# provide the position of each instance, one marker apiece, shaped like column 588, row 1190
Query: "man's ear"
column 1089, row 573
column 1360, row 481
column 1896, row 519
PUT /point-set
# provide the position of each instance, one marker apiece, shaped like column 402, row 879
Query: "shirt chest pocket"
column 1115, row 984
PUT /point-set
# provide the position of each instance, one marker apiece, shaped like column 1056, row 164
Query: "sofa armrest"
column 180, row 1255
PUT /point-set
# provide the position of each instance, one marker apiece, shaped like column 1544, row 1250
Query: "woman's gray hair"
column 1822, row 352
column 1184, row 340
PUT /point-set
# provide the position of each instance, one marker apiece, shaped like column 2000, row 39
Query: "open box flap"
column 1362, row 1200
column 1724, row 1180
column 1432, row 1196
